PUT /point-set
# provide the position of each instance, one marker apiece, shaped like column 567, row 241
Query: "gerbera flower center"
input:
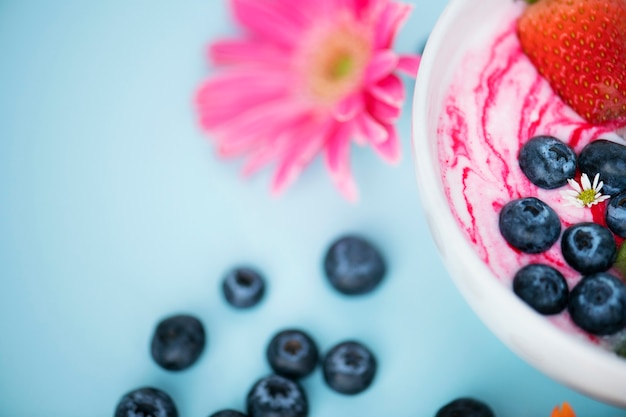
column 335, row 64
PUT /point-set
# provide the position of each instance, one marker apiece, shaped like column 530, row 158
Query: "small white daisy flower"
column 587, row 195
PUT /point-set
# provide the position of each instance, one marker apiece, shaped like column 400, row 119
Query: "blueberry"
column 616, row 214
column 243, row 287
column 349, row 367
column 529, row 225
column 146, row 402
column 277, row 396
column 620, row 260
column 228, row 413
column 465, row 407
column 292, row 353
column 178, row 342
column 541, row 287
column 597, row 304
column 353, row 265
column 547, row 162
column 607, row 158
column 588, row 247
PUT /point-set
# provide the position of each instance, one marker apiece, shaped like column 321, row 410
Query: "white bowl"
column 580, row 365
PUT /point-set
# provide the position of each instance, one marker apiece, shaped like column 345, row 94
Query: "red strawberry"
column 579, row 46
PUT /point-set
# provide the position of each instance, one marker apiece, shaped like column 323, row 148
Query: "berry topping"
column 616, row 214
column 146, row 402
column 349, row 368
column 597, row 304
column 277, row 396
column 529, row 225
column 178, row 342
column 547, row 162
column 585, row 194
column 354, row 266
column 588, row 247
column 620, row 261
column 243, row 287
column 607, row 159
column 465, row 407
column 579, row 46
column 292, row 353
column 541, row 287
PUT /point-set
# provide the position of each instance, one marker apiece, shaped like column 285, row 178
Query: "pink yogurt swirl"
column 496, row 102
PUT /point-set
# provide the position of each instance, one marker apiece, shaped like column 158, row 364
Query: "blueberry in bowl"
column 547, row 162
column 542, row 287
column 598, row 304
column 588, row 247
column 529, row 225
column 609, row 160
column 616, row 214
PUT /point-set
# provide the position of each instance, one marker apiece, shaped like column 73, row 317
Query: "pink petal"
column 389, row 89
column 409, row 64
column 266, row 20
column 392, row 18
column 358, row 7
column 381, row 65
column 226, row 96
column 389, row 150
column 369, row 130
column 348, row 108
column 245, row 51
column 306, row 142
column 258, row 127
column 257, row 160
column 381, row 111
column 338, row 160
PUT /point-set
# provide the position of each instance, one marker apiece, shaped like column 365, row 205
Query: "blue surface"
column 114, row 212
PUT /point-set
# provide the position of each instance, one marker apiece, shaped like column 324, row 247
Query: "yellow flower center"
column 587, row 196
column 334, row 62
column 342, row 67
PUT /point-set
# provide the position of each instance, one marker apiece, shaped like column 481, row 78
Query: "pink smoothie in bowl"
column 478, row 100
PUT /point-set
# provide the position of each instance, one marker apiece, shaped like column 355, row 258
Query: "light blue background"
column 114, row 212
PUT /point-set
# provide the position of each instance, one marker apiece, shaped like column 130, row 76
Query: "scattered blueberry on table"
column 353, row 265
column 146, row 402
column 243, row 287
column 178, row 342
column 465, row 407
column 349, row 367
column 292, row 353
column 228, row 413
column 277, row 396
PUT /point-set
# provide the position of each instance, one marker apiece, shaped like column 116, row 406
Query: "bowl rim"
column 561, row 353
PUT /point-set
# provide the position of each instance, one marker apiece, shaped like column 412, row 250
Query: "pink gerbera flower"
column 306, row 77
